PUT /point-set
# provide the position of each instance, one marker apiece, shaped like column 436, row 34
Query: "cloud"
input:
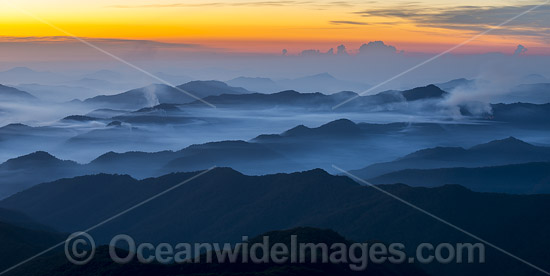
column 345, row 22
column 377, row 47
column 341, row 50
column 520, row 50
column 471, row 18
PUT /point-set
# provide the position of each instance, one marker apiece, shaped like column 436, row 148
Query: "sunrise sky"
column 270, row 26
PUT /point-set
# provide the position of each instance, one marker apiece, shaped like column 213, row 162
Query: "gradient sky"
column 270, row 26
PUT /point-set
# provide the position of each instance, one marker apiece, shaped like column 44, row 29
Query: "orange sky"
column 253, row 26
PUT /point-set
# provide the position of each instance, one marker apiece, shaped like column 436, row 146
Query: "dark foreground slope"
column 101, row 264
column 223, row 205
column 22, row 238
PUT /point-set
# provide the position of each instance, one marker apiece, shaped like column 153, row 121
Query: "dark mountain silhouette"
column 292, row 98
column 160, row 108
column 224, row 205
column 161, row 114
column 498, row 152
column 102, row 263
column 529, row 178
column 289, row 98
column 342, row 128
column 420, row 93
column 12, row 94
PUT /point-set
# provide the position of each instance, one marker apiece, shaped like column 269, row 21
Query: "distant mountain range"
column 498, row 152
column 323, row 83
column 224, row 205
column 527, row 178
column 320, row 101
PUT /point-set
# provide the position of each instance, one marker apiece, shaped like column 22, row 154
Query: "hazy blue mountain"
column 203, row 89
column 521, row 114
column 13, row 94
column 252, row 158
column 156, row 94
column 14, row 133
column 108, row 75
column 535, row 93
column 224, row 205
column 58, row 93
column 105, row 113
column 19, row 75
column 142, row 97
column 22, row 172
column 263, row 85
column 534, row 78
column 528, row 178
column 498, row 152
column 174, row 79
column 456, row 83
column 18, row 139
column 340, row 142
